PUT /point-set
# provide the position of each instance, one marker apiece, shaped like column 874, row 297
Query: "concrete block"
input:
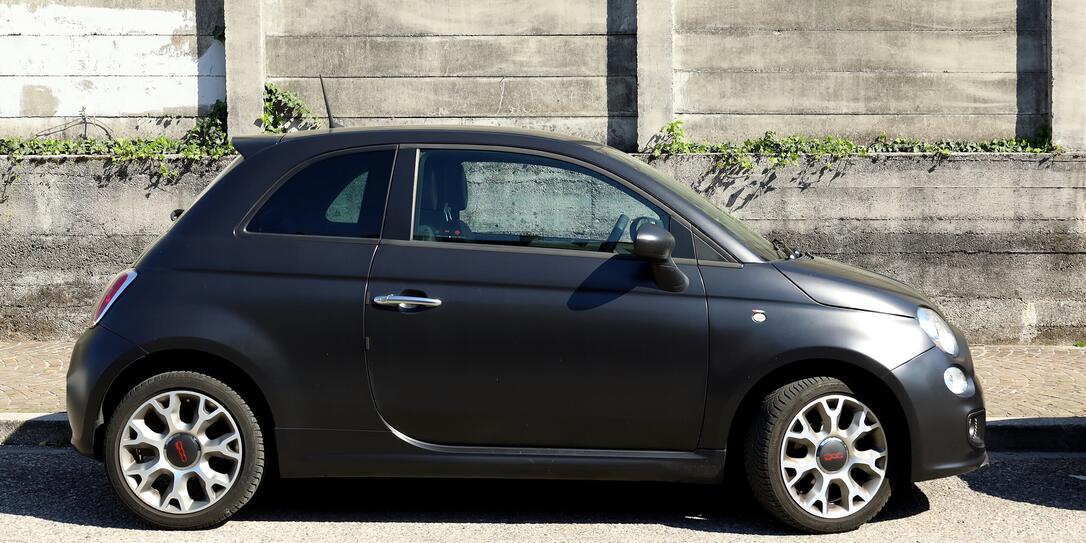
column 712, row 15
column 614, row 130
column 861, row 50
column 245, row 76
column 471, row 96
column 119, row 127
column 860, row 92
column 655, row 66
column 445, row 17
column 450, row 56
column 52, row 96
column 80, row 56
column 1069, row 73
column 863, row 127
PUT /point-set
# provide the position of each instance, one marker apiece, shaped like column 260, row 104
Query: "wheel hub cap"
column 832, row 454
column 182, row 450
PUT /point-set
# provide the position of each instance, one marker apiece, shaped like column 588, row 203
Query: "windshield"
column 749, row 238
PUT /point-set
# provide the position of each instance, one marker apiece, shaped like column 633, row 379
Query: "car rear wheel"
column 184, row 451
column 817, row 456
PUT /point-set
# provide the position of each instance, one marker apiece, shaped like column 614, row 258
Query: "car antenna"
column 327, row 108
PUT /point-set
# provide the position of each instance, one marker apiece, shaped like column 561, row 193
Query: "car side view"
column 474, row 302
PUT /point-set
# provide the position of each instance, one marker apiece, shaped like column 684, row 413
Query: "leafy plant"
column 1079, row 344
column 784, row 150
column 284, row 111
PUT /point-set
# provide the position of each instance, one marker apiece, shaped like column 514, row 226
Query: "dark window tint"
column 500, row 198
column 707, row 253
column 338, row 196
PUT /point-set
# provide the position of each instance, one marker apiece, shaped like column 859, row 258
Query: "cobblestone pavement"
column 1018, row 380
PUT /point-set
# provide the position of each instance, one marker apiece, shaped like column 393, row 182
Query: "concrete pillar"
column 655, row 73
column 1069, row 73
column 244, row 65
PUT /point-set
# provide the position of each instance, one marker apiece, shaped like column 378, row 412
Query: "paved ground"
column 1019, row 381
column 56, row 495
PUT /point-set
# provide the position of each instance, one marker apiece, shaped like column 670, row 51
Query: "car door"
column 530, row 322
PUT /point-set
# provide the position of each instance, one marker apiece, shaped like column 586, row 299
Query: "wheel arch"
column 869, row 385
column 182, row 359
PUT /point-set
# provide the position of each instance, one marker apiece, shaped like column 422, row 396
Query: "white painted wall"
column 126, row 62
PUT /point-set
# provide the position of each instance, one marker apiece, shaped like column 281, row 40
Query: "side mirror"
column 655, row 245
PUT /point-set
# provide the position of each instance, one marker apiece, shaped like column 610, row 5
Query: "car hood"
column 829, row 282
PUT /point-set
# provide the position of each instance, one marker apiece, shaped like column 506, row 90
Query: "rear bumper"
column 97, row 358
column 938, row 419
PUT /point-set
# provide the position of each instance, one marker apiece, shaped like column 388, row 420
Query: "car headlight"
column 938, row 330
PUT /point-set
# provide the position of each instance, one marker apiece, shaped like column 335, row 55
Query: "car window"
column 504, row 198
column 343, row 195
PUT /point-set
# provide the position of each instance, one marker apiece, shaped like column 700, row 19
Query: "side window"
column 343, row 196
column 502, row 198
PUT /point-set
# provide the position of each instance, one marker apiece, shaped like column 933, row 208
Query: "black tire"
column 764, row 439
column 252, row 456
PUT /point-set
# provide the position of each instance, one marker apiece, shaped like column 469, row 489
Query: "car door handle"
column 406, row 302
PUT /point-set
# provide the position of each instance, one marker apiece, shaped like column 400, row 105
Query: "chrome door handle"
column 406, row 302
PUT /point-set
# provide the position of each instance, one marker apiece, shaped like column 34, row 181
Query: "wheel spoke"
column 224, row 447
column 207, row 412
column 144, row 435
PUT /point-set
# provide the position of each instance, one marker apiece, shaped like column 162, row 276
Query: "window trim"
column 417, row 148
column 242, row 228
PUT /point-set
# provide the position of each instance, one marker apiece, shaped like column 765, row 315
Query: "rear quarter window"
column 341, row 196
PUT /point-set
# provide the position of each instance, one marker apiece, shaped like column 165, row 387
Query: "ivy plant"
column 284, row 111
column 779, row 150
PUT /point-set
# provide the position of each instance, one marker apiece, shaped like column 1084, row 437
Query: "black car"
column 455, row 302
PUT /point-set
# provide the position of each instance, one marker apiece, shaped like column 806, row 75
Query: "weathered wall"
column 67, row 226
column 968, row 69
column 998, row 241
column 561, row 65
column 138, row 67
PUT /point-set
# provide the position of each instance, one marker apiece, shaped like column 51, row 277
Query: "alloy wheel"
column 180, row 451
column 833, row 456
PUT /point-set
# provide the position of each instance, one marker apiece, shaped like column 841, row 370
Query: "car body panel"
column 536, row 349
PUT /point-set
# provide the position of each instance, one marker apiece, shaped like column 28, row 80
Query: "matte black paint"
column 539, row 363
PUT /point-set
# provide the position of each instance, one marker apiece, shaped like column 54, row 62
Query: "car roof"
column 249, row 145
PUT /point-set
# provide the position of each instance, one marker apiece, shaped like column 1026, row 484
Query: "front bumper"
column 938, row 419
column 98, row 357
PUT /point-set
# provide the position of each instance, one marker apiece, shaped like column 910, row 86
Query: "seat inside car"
column 442, row 196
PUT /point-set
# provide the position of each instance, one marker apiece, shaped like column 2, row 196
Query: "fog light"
column 955, row 379
column 976, row 429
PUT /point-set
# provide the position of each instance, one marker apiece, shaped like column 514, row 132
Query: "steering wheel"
column 615, row 235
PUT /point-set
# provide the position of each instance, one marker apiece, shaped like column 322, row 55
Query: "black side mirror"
column 655, row 245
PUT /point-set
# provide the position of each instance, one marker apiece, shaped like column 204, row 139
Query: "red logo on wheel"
column 180, row 451
column 830, row 457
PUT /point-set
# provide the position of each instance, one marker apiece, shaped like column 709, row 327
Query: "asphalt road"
column 57, row 495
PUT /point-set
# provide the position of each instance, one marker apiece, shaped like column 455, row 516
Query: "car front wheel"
column 817, row 456
column 184, row 451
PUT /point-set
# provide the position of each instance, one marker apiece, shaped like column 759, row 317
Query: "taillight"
column 111, row 294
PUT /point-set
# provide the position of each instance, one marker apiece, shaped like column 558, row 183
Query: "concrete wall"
column 137, row 67
column 998, row 241
column 968, row 69
column 562, row 65
column 609, row 70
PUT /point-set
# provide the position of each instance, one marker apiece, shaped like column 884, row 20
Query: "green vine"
column 284, row 111
column 785, row 150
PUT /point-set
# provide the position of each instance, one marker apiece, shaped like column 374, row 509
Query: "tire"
column 812, row 468
column 192, row 472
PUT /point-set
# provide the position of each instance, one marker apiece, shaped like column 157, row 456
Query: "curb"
column 1055, row 434
column 1052, row 434
column 34, row 429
